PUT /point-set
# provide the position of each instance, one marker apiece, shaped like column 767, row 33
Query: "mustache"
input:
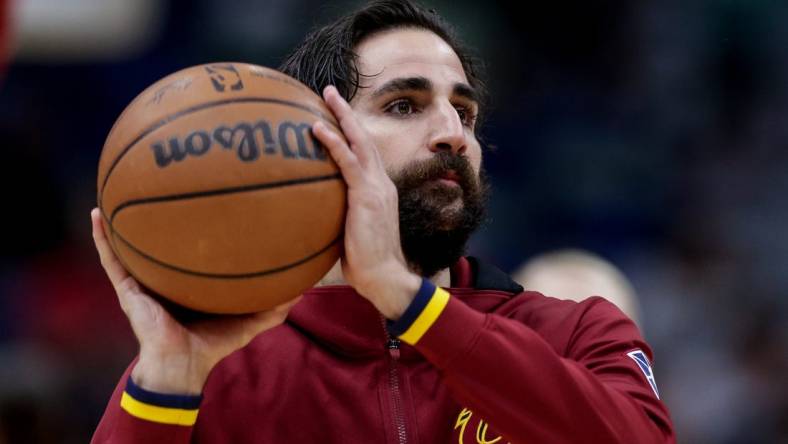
column 439, row 166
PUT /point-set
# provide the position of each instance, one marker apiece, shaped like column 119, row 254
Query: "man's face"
column 419, row 109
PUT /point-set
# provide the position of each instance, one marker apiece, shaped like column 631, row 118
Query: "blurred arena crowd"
column 649, row 138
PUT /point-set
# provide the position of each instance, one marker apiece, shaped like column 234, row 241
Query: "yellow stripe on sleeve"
column 163, row 415
column 427, row 317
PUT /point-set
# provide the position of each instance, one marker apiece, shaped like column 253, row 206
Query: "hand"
column 176, row 358
column 373, row 261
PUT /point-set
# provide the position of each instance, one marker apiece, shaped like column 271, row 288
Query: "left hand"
column 373, row 261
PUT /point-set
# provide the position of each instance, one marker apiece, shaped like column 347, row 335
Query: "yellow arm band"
column 163, row 415
column 427, row 317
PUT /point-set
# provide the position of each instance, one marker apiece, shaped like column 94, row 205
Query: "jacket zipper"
column 392, row 345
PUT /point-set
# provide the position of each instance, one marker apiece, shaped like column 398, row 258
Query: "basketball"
column 215, row 194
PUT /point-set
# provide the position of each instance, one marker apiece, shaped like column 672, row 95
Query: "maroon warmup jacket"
column 493, row 364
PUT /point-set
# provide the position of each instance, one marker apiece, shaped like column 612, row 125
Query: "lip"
column 450, row 176
column 448, row 182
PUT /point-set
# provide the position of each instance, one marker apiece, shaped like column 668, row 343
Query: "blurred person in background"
column 575, row 275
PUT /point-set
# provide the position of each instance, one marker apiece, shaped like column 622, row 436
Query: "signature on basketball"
column 247, row 140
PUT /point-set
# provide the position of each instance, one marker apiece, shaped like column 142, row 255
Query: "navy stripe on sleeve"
column 423, row 296
column 186, row 402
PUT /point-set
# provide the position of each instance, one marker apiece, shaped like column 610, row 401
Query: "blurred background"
column 652, row 134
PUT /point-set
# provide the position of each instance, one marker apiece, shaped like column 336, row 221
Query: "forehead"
column 408, row 52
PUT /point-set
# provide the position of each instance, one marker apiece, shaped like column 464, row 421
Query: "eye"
column 401, row 107
column 467, row 116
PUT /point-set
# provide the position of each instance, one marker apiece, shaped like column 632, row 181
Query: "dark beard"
column 433, row 235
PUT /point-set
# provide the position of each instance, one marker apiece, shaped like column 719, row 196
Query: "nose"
column 448, row 132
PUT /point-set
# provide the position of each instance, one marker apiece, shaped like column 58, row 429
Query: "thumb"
column 264, row 320
column 145, row 314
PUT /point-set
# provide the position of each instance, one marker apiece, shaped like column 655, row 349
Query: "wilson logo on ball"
column 247, row 140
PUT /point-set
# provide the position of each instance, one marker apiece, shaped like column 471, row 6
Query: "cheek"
column 474, row 155
column 397, row 147
column 393, row 163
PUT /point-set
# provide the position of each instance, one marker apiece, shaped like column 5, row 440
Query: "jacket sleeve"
column 135, row 415
column 502, row 370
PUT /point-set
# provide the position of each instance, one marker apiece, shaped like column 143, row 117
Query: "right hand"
column 176, row 357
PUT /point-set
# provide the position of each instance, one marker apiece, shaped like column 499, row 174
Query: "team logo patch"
column 478, row 430
column 642, row 361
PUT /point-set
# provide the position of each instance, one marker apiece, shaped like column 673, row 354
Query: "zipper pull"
column 393, row 346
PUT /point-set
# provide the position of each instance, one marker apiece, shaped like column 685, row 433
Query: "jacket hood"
column 338, row 318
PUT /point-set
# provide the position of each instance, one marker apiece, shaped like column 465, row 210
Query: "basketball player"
column 408, row 341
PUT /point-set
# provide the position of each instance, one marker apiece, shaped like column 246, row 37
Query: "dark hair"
column 327, row 55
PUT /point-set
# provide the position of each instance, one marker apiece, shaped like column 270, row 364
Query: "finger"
column 273, row 316
column 129, row 297
column 140, row 308
column 118, row 276
column 346, row 160
column 112, row 266
column 285, row 307
column 146, row 315
column 265, row 320
column 357, row 137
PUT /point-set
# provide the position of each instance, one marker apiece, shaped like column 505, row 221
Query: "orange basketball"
column 215, row 194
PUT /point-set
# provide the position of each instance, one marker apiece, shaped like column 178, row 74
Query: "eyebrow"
column 422, row 84
column 403, row 84
column 466, row 91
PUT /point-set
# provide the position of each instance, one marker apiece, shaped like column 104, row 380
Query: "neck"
column 335, row 277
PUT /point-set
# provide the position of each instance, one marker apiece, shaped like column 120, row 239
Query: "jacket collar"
column 470, row 272
column 338, row 318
